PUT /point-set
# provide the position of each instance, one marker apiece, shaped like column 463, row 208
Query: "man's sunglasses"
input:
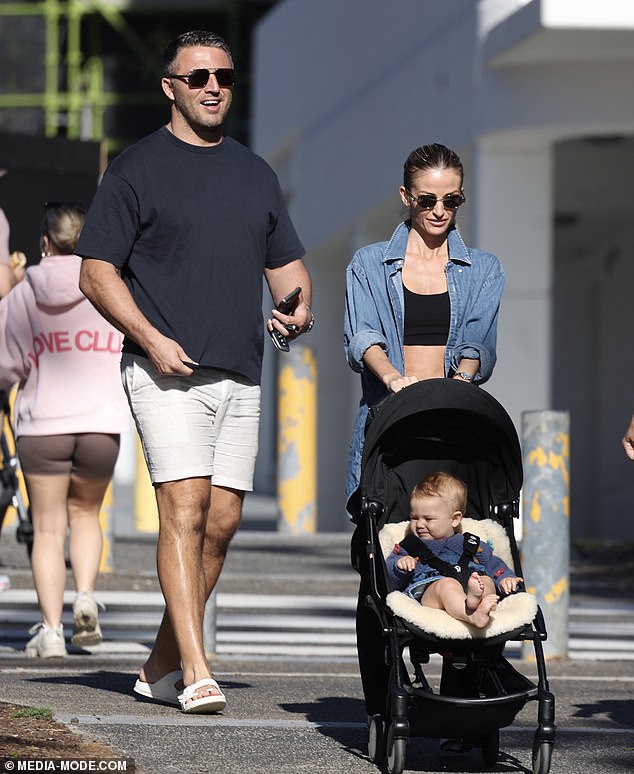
column 198, row 78
column 429, row 201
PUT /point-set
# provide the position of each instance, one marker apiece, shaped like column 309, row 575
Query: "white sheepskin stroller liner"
column 512, row 612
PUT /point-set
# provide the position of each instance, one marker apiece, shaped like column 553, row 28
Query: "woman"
column 422, row 305
column 70, row 410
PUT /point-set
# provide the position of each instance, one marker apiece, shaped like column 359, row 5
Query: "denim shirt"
column 374, row 315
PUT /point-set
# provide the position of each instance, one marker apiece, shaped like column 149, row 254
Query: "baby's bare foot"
column 481, row 616
column 475, row 590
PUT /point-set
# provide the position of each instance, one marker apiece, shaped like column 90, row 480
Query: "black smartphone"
column 285, row 306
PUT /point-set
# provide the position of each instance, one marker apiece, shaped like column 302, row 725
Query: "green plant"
column 34, row 712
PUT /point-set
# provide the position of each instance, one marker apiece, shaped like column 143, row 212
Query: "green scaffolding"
column 84, row 75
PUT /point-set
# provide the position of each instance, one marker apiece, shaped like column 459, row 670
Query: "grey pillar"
column 209, row 624
column 546, row 521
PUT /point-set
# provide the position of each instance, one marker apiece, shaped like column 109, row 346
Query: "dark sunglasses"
column 198, row 78
column 429, row 201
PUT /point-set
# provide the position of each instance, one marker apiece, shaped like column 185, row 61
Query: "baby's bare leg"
column 447, row 594
column 478, row 586
column 482, row 615
column 475, row 590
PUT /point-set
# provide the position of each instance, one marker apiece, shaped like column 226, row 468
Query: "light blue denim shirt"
column 374, row 315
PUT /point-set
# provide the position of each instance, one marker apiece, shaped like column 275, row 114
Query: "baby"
column 437, row 506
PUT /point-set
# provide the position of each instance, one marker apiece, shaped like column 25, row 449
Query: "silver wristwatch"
column 311, row 323
column 464, row 375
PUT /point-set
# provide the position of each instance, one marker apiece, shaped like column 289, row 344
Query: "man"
column 182, row 229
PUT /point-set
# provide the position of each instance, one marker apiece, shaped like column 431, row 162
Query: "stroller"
column 10, row 494
column 442, row 425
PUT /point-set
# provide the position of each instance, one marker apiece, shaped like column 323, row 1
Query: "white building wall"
column 344, row 91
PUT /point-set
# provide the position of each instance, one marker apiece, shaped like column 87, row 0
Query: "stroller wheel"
column 396, row 756
column 490, row 748
column 376, row 739
column 541, row 756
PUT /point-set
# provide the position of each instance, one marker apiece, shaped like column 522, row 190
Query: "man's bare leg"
column 224, row 514
column 183, row 509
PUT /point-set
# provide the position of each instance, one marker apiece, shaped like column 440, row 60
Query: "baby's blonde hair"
column 443, row 485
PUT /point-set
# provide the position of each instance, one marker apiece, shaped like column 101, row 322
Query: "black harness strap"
column 419, row 550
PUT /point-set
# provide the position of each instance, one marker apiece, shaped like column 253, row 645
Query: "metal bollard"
column 210, row 625
column 107, row 528
column 297, row 442
column 145, row 509
column 546, row 522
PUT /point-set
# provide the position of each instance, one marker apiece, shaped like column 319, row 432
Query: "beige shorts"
column 205, row 424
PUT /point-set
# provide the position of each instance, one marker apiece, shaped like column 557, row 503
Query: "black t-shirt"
column 192, row 230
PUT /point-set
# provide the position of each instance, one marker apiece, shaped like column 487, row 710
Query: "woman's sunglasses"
column 429, row 201
column 198, row 78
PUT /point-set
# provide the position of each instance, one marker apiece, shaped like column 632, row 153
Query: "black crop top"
column 426, row 318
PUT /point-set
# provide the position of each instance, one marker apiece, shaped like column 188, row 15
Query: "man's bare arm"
column 281, row 282
column 100, row 282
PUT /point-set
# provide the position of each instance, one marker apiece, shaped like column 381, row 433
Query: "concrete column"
column 210, row 625
column 106, row 521
column 546, row 506
column 297, row 441
column 145, row 508
column 510, row 214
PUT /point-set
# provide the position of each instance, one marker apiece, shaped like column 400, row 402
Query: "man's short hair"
column 188, row 40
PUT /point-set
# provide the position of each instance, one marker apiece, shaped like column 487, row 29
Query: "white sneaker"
column 47, row 643
column 86, row 629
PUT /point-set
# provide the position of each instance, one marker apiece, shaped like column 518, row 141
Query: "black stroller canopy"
column 440, row 424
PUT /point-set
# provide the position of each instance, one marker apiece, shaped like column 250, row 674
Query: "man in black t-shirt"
column 180, row 233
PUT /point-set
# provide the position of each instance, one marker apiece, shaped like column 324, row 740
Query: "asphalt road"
column 287, row 717
column 305, row 714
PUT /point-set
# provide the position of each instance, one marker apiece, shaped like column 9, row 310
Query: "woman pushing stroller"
column 419, row 306
column 440, row 566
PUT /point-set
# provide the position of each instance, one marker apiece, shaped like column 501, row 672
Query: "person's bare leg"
column 475, row 590
column 86, row 538
column 224, row 520
column 482, row 614
column 447, row 594
column 224, row 513
column 47, row 498
column 183, row 509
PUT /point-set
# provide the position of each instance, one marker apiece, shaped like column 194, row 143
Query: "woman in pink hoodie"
column 69, row 412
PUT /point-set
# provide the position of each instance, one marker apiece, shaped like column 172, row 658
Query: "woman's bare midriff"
column 424, row 362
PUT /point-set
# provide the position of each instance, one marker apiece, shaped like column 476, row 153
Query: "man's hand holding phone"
column 285, row 307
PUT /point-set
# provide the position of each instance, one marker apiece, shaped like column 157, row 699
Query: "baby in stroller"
column 441, row 567
column 444, row 425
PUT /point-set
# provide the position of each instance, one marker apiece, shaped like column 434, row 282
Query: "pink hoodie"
column 62, row 352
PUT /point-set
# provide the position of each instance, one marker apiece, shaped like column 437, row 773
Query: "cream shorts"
column 205, row 424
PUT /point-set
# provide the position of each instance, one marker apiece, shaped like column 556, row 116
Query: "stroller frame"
column 479, row 689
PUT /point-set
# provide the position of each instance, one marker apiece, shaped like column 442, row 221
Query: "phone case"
column 286, row 306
